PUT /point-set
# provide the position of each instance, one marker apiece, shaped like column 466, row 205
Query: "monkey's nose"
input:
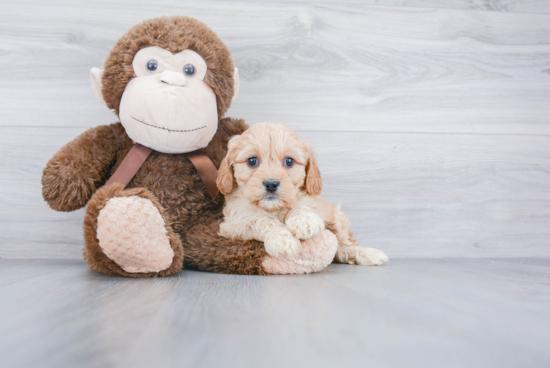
column 173, row 78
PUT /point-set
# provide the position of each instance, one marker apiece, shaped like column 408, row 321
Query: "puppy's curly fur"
column 276, row 199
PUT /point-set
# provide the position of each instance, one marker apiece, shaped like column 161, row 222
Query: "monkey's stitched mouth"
column 170, row 130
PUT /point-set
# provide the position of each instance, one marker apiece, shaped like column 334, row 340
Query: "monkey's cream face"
column 269, row 165
column 168, row 106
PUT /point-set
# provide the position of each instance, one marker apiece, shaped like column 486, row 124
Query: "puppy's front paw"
column 305, row 225
column 282, row 244
column 370, row 257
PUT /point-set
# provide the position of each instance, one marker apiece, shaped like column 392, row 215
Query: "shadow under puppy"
column 277, row 200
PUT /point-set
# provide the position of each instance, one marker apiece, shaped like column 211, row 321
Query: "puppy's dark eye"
column 253, row 161
column 289, row 162
column 152, row 65
column 189, row 70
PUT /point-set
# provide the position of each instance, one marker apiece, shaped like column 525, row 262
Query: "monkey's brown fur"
column 75, row 175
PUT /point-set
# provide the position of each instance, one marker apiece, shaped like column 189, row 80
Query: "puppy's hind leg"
column 360, row 256
column 349, row 250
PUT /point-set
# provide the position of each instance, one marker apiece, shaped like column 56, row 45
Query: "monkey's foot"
column 133, row 234
column 127, row 234
column 317, row 253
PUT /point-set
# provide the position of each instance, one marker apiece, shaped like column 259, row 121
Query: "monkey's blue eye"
column 189, row 70
column 152, row 65
column 253, row 161
column 289, row 162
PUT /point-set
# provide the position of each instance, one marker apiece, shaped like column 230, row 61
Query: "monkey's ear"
column 96, row 75
column 235, row 84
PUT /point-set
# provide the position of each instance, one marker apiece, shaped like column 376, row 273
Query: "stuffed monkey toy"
column 149, row 180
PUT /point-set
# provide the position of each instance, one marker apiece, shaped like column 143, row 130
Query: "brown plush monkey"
column 170, row 81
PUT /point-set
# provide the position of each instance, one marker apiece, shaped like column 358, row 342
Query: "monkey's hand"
column 80, row 167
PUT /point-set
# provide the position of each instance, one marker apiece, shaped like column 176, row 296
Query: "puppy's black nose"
column 271, row 185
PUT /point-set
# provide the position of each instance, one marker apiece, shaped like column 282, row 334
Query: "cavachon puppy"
column 276, row 199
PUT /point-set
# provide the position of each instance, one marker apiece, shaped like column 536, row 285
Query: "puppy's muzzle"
column 271, row 185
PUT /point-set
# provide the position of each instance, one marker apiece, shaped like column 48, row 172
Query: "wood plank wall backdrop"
column 431, row 119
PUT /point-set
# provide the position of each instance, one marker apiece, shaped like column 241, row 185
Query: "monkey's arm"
column 80, row 167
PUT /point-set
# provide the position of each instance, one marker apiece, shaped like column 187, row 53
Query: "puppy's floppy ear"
column 224, row 181
column 314, row 184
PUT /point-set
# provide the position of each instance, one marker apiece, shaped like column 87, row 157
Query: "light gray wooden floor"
column 409, row 313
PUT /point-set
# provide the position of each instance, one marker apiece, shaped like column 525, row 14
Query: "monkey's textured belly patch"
column 132, row 232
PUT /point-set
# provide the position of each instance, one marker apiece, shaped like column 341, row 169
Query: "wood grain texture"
column 523, row 6
column 412, row 195
column 407, row 313
column 430, row 119
column 315, row 66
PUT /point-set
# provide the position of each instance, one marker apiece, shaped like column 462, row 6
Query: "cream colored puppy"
column 277, row 200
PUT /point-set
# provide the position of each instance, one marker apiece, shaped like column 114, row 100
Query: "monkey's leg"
column 207, row 251
column 126, row 233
